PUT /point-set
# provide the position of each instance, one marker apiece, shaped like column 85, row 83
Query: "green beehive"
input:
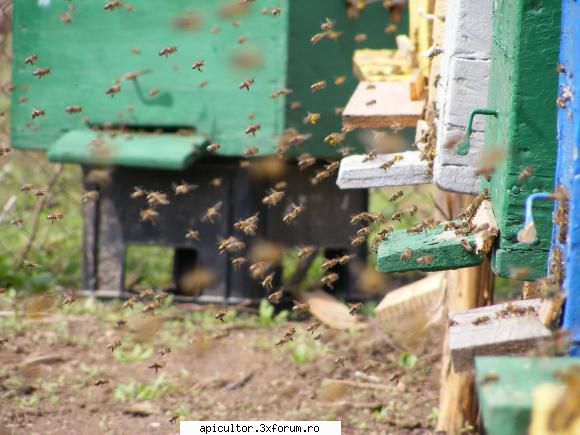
column 521, row 134
column 88, row 48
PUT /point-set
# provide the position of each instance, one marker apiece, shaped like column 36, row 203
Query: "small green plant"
column 132, row 390
column 407, row 360
column 305, row 349
column 23, row 402
column 434, row 416
column 136, row 354
column 266, row 314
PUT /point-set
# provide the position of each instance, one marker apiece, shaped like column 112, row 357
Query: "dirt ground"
column 52, row 357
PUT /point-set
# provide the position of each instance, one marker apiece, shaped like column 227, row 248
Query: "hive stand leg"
column 466, row 288
column 90, row 211
column 111, row 246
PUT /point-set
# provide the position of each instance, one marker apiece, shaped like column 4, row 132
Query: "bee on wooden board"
column 526, row 172
column 371, row 155
column 425, row 259
column 213, row 147
column 480, row 320
column 389, row 163
column 466, row 245
column 252, row 129
column 406, row 255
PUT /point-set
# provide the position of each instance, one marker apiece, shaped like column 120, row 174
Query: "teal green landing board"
column 523, row 90
column 86, row 55
column 506, row 403
column 444, row 246
column 163, row 151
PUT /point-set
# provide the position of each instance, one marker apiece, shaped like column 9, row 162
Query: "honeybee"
column 411, row 211
column 220, row 316
column 480, row 320
column 276, row 11
column 363, row 232
column 344, row 259
column 29, row 264
column 100, row 382
column 242, row 39
column 216, row 182
column 295, row 105
column 156, row 198
column 130, row 302
column 317, row 37
column 425, row 259
column 149, row 215
column 238, row 262
column 67, row 300
column 41, row 72
column 37, row 112
column 31, row 59
column 334, row 138
column 313, row 326
column 248, row 226
column 340, row 80
column 358, row 241
column 318, row 86
column 354, row 309
column 396, row 196
column 213, row 147
column 328, row 25
column 174, row 419
column 389, row 163
column 26, row 187
column 138, row 192
column 39, row 192
column 183, row 188
column 329, row 264
column 276, row 296
column 73, row 109
column 147, row 293
column 203, row 84
column 281, row 185
column 212, row 212
column 360, row 38
column 166, row 51
column 252, row 129
column 246, row 84
column 305, row 161
column 156, row 366
column 161, row 296
column 371, row 103
column 151, row 307
column 267, row 282
column 329, row 279
column 114, row 89
column 273, row 197
column 339, row 361
column 112, row 5
column 231, row 244
column 55, row 217
column 391, row 28
column 332, row 167
column 320, row 175
column 153, row 92
column 259, row 269
column 114, row 345
column 293, row 214
column 371, row 155
column 406, row 255
column 305, row 251
column 198, row 64
column 251, row 151
column 466, row 245
column 312, row 118
column 280, row 92
column 303, row 308
column 526, row 172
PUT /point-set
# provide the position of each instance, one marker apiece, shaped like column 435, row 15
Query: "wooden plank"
column 380, row 65
column 330, row 311
column 505, row 386
column 382, row 105
column 356, row 173
column 495, row 330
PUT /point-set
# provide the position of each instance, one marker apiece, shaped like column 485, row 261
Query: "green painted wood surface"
column 505, row 404
column 447, row 252
column 86, row 55
column 523, row 89
column 164, row 151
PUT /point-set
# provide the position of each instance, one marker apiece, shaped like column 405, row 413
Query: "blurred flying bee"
column 312, row 118
column 276, row 11
column 332, row 167
column 147, row 293
column 391, row 28
column 132, row 75
column 3, row 342
column 425, row 259
column 161, row 296
column 252, row 129
column 317, row 37
column 360, row 38
column 329, row 264
column 328, row 25
column 281, row 185
column 26, row 187
column 364, row 231
column 480, row 320
column 411, row 211
column 466, row 245
column 528, row 171
column 313, row 326
column 37, row 113
column 73, row 109
column 67, row 300
column 305, row 161
column 293, row 214
column 166, row 51
column 340, row 80
column 192, row 235
column 358, row 241
column 248, row 226
column 153, row 92
column 100, row 382
column 344, row 259
column 41, row 72
column 303, row 308
column 150, row 308
column 329, row 279
column 389, row 163
column 130, row 302
column 259, row 269
column 174, row 419
column 112, row 5
column 406, row 255
column 246, row 84
column 166, row 350
column 305, row 252
column 212, row 212
column 213, row 147
column 273, row 197
column 242, row 40
column 295, row 105
column 371, row 103
column 31, row 59
column 267, row 282
column 354, row 309
column 114, row 345
column 114, row 89
column 29, row 264
column 276, row 296
column 320, row 176
column 338, row 111
column 397, row 216
column 156, row 198
column 339, row 361
column 318, row 86
column 138, row 192
column 149, row 215
column 39, row 192
column 216, row 182
column 183, row 188
column 371, row 155
column 251, row 151
column 203, row 84
column 239, row 262
column 318, row 337
column 198, row 65
column 220, row 316
column 396, row 196
column 334, row 138
column 156, row 366
column 121, row 323
column 280, row 92
column 53, row 217
column 231, row 244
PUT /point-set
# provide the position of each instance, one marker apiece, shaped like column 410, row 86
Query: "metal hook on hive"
column 528, row 234
column 463, row 146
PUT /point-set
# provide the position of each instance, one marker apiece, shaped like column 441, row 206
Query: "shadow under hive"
column 112, row 223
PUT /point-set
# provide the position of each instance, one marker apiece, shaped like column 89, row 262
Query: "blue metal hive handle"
column 463, row 147
column 528, row 233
